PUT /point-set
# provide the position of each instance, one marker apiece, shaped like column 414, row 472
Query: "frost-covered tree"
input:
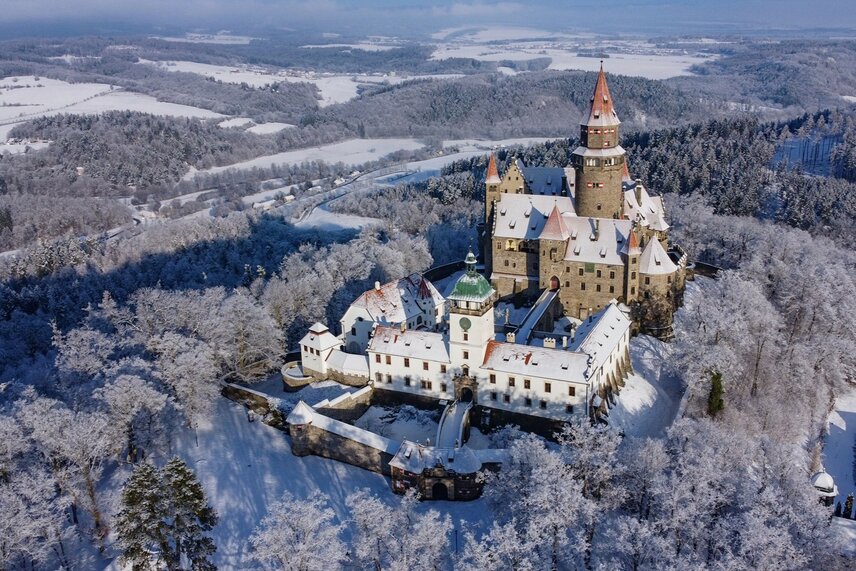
column 398, row 537
column 299, row 535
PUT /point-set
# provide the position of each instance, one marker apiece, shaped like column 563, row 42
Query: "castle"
column 589, row 231
column 587, row 244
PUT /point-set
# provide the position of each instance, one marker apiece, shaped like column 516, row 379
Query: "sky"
column 403, row 17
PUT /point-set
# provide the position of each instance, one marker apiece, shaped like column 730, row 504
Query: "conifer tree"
column 715, row 403
column 141, row 528
column 192, row 517
column 164, row 520
column 838, row 509
column 848, row 507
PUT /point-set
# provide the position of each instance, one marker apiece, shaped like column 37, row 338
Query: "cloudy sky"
column 408, row 16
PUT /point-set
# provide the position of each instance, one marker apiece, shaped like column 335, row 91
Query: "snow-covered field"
column 226, row 39
column 838, row 451
column 323, row 219
column 27, row 97
column 268, row 128
column 484, row 145
column 652, row 66
column 351, row 152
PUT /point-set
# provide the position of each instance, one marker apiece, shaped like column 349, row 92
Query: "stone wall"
column 346, row 379
column 308, row 439
column 347, row 407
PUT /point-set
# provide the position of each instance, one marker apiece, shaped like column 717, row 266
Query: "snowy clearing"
column 236, row 122
column 324, row 219
column 269, row 128
column 484, row 145
column 844, row 535
column 367, row 47
column 838, row 451
column 26, row 97
column 350, row 152
column 649, row 401
column 226, row 39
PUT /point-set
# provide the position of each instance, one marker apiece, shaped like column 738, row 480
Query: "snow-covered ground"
column 649, row 401
column 401, row 423
column 350, row 152
column 225, row 39
column 838, row 450
column 236, row 123
column 27, row 97
column 365, row 46
column 324, row 219
column 844, row 535
column 268, row 128
column 486, row 144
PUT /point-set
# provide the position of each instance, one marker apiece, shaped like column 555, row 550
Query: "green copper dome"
column 471, row 286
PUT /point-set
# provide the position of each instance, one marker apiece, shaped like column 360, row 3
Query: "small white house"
column 315, row 348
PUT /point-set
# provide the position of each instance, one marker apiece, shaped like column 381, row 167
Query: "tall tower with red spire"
column 599, row 160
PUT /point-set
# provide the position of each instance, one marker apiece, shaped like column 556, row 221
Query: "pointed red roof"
column 632, row 243
column 492, row 172
column 601, row 102
column 626, row 175
column 554, row 228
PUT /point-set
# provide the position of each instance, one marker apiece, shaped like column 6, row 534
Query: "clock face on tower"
column 465, row 323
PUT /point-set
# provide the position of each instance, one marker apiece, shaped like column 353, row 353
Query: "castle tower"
column 553, row 242
column 471, row 323
column 599, row 160
column 632, row 253
column 491, row 182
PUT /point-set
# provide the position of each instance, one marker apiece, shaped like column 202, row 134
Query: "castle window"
column 647, row 280
column 526, row 383
column 389, row 379
column 569, row 409
column 668, row 279
column 377, row 358
column 378, row 378
column 442, row 368
column 632, row 275
column 406, row 362
column 567, row 283
column 426, row 385
column 548, row 387
column 492, row 379
column 406, row 381
column 597, row 287
column 506, row 263
column 581, row 271
column 543, row 405
column 611, row 289
column 443, row 387
column 582, row 286
column 633, row 291
column 506, row 398
column 493, row 395
column 353, row 330
column 466, row 336
column 510, row 381
column 388, row 360
column 424, row 365
column 612, row 275
column 466, row 354
column 633, row 260
column 598, row 273
column 598, row 206
column 528, row 401
column 572, row 391
column 498, row 246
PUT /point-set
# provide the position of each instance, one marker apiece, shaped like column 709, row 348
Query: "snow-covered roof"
column 425, row 345
column 400, row 300
column 615, row 151
column 348, row 363
column 545, row 180
column 601, row 247
column 649, row 213
column 522, row 216
column 414, row 458
column 600, row 334
column 304, row 414
column 320, row 338
column 540, row 362
column 824, row 484
column 655, row 261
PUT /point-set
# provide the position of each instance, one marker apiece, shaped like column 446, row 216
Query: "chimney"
column 564, row 341
column 377, row 286
column 573, row 333
column 403, row 326
column 549, row 343
column 591, row 317
column 597, row 228
column 510, row 337
column 639, row 191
